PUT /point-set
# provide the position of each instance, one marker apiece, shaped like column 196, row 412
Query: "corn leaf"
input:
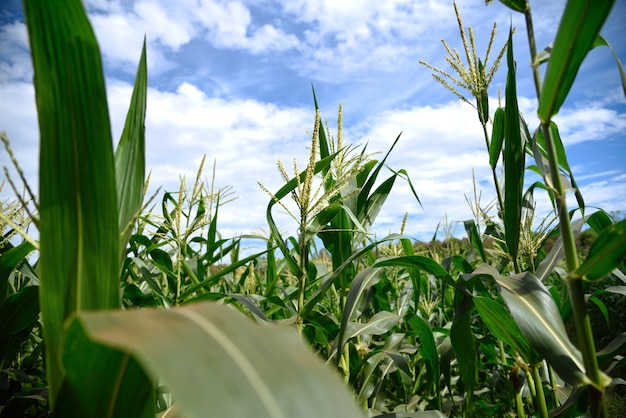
column 378, row 324
column 538, row 317
column 513, row 159
column 579, row 28
column 600, row 41
column 216, row 361
column 463, row 343
column 503, row 326
column 516, row 5
column 78, row 202
column 19, row 313
column 606, row 253
column 428, row 350
column 130, row 156
column 102, row 382
column 354, row 303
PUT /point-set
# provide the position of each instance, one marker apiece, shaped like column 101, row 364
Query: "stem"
column 533, row 50
column 540, row 397
column 304, row 261
column 494, row 174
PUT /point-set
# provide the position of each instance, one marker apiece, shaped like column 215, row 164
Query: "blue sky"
column 232, row 80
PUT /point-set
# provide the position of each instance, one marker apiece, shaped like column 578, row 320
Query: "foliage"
column 164, row 316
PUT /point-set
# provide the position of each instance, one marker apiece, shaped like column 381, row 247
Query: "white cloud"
column 14, row 58
column 591, row 123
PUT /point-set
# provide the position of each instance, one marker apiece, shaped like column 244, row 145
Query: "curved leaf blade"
column 606, row 254
column 538, row 317
column 580, row 25
column 239, row 368
column 130, row 155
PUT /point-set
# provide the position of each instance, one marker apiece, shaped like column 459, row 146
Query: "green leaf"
column 427, row 349
column 538, row 317
column 600, row 41
column 378, row 324
column 239, row 368
column 599, row 220
column 102, row 381
column 354, row 302
column 79, row 263
column 417, row 261
column 497, row 137
column 579, row 28
column 516, row 5
column 464, row 344
column 606, row 253
column 503, row 326
column 19, row 313
column 10, row 260
column 513, row 159
column 130, row 156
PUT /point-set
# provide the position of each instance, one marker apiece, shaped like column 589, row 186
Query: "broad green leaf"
column 580, row 25
column 19, row 313
column 102, row 381
column 463, row 343
column 378, row 324
column 370, row 376
column 130, row 156
column 539, row 319
column 503, row 326
column 599, row 220
column 600, row 41
column 354, row 303
column 416, row 261
column 379, row 365
column 79, row 263
column 427, row 349
column 497, row 137
column 11, row 259
column 606, row 253
column 215, row 360
column 513, row 158
column 516, row 5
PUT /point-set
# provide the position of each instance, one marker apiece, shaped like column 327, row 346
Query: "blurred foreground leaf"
column 217, row 362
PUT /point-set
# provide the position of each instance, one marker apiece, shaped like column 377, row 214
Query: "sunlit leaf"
column 607, row 252
column 378, row 324
column 503, row 326
column 600, row 41
column 79, row 262
column 578, row 30
column 130, row 156
column 538, row 317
